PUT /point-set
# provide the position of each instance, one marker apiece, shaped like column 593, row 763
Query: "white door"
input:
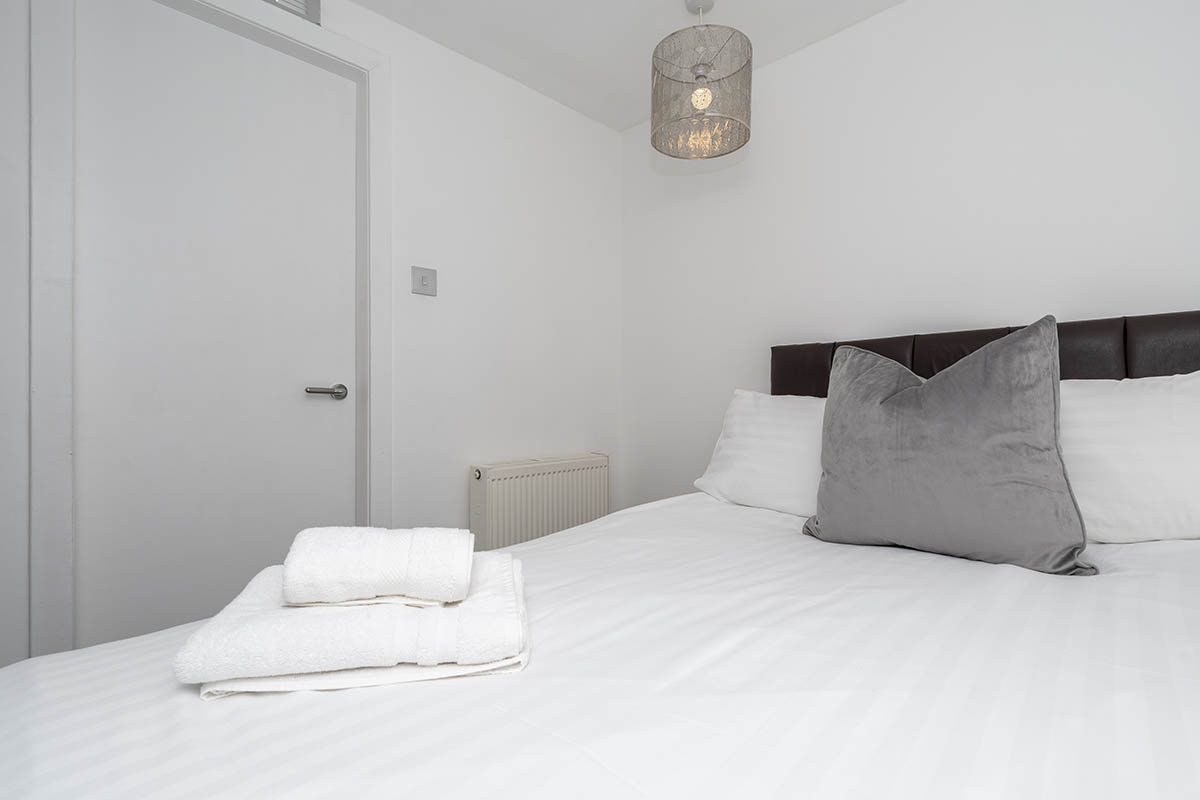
column 215, row 280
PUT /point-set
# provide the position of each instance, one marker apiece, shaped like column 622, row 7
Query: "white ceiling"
column 595, row 57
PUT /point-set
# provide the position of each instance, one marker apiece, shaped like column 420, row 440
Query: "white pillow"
column 1132, row 452
column 769, row 453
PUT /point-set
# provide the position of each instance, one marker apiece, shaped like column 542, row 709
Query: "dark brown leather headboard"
column 1122, row 347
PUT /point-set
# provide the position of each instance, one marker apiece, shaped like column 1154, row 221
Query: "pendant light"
column 700, row 89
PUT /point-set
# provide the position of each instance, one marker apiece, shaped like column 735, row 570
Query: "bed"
column 690, row 648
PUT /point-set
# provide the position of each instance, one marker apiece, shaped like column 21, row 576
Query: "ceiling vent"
column 309, row 9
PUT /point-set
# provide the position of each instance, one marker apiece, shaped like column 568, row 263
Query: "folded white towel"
column 256, row 636
column 334, row 565
column 389, row 600
column 359, row 678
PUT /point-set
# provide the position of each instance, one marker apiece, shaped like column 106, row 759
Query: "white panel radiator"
column 516, row 501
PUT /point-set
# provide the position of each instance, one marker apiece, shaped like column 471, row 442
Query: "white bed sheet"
column 688, row 648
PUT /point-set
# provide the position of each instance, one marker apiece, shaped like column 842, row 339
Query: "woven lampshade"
column 700, row 92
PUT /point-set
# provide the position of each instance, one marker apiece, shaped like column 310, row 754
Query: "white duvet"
column 689, row 649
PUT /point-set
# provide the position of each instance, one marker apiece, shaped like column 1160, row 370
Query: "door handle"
column 338, row 391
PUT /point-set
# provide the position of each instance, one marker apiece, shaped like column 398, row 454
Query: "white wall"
column 946, row 164
column 14, row 330
column 515, row 200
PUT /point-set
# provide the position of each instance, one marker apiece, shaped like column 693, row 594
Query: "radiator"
column 516, row 501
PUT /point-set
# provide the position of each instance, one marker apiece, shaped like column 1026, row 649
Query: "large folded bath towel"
column 359, row 678
column 256, row 636
column 389, row 600
column 334, row 565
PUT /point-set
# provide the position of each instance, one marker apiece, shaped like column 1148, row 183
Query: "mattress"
column 688, row 648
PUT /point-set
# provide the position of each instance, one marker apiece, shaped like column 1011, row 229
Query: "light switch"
column 424, row 281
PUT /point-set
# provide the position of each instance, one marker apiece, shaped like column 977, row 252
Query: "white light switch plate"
column 424, row 281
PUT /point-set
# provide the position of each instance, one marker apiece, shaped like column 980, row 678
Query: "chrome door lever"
column 338, row 391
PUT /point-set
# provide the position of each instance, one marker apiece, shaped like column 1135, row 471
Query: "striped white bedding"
column 694, row 649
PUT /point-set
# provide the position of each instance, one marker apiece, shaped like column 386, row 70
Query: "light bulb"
column 702, row 98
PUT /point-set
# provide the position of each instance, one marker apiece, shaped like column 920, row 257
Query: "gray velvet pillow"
column 966, row 463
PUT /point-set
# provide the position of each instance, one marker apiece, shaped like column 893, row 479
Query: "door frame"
column 52, row 269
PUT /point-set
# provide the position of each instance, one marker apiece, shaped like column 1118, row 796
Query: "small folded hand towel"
column 258, row 644
column 339, row 565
